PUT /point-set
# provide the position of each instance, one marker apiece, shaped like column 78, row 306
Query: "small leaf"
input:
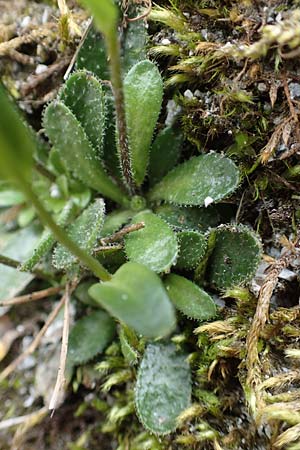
column 235, row 257
column 47, row 240
column 83, row 95
column 85, row 230
column 143, row 91
column 105, row 14
column 132, row 296
column 192, row 248
column 186, row 218
column 135, row 40
column 189, row 298
column 92, row 55
column 10, row 197
column 155, row 245
column 69, row 138
column 128, row 342
column 203, row 177
column 16, row 143
column 164, row 154
column 18, row 245
column 89, row 337
column 163, row 388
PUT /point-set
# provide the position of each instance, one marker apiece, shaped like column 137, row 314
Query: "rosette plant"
column 147, row 242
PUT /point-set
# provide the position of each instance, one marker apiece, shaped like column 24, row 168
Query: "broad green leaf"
column 164, row 154
column 189, row 298
column 85, row 231
column 143, row 91
column 92, row 55
column 16, row 143
column 133, row 295
column 69, row 138
column 235, row 257
column 155, row 245
column 192, row 248
column 47, row 240
column 105, row 14
column 163, row 388
column 199, row 181
column 83, row 95
column 89, row 337
column 18, row 245
column 186, row 218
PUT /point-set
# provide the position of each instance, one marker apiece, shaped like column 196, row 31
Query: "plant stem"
column 117, row 85
column 61, row 236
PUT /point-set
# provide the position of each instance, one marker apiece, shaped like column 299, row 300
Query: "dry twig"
column 33, row 296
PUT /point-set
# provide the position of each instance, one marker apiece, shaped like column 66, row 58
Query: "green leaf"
column 202, row 179
column 92, row 55
column 10, row 197
column 105, row 14
column 134, row 41
column 16, row 143
column 47, row 240
column 163, row 388
column 187, row 218
column 192, row 248
column 155, row 245
column 164, row 154
column 132, row 296
column 189, row 298
column 83, row 95
column 90, row 336
column 69, row 138
column 18, row 245
column 128, row 342
column 143, row 91
column 235, row 257
column 85, row 231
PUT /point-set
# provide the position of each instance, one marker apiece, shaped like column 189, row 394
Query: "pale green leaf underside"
column 203, row 178
column 75, row 150
column 163, row 388
column 89, row 337
column 189, row 298
column 236, row 255
column 83, row 95
column 155, row 245
column 85, row 231
column 143, row 92
column 18, row 245
column 133, row 295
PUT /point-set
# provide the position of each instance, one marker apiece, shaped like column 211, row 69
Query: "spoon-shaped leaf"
column 85, row 230
column 83, row 95
column 155, row 245
column 134, row 295
column 189, row 298
column 89, row 337
column 69, row 138
column 163, row 388
column 202, row 179
column 143, row 91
